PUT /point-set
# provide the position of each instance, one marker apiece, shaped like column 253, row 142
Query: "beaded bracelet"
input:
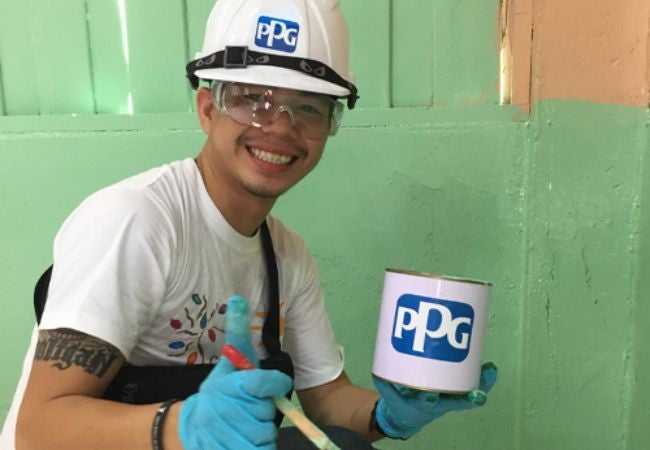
column 159, row 418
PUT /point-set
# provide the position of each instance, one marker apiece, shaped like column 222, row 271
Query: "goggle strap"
column 240, row 57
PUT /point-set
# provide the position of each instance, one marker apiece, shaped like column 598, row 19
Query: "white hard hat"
column 294, row 44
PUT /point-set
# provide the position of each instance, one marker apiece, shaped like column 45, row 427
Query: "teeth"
column 271, row 157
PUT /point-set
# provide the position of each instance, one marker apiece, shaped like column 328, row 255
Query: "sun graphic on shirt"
column 258, row 320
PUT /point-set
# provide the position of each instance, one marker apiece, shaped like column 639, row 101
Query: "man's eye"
column 253, row 97
column 310, row 109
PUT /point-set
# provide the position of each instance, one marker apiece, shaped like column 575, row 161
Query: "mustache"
column 252, row 137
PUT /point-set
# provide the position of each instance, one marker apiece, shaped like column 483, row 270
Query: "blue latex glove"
column 233, row 409
column 401, row 412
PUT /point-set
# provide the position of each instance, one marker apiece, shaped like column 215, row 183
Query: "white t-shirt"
column 148, row 264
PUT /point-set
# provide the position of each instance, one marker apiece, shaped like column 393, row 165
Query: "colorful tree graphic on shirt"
column 194, row 327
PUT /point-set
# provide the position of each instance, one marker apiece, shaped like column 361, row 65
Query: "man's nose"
column 283, row 123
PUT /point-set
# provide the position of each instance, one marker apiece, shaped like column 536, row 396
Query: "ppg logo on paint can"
column 432, row 328
column 277, row 34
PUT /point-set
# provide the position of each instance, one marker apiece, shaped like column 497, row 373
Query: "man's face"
column 265, row 161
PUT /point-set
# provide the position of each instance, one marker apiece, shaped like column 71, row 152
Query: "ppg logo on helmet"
column 277, row 34
column 432, row 328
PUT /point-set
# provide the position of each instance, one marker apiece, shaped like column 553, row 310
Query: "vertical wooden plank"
column 412, row 53
column 465, row 63
column 107, row 50
column 647, row 73
column 198, row 12
column 520, row 23
column 370, row 50
column 18, row 65
column 196, row 15
column 157, row 58
column 3, row 109
column 62, row 59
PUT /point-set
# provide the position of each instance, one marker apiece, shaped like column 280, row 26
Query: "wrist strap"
column 373, row 425
column 158, row 421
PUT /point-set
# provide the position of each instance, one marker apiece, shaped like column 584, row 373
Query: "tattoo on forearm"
column 67, row 347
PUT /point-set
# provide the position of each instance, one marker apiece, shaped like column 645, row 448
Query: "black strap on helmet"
column 241, row 57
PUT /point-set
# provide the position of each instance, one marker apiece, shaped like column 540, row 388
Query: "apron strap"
column 271, row 328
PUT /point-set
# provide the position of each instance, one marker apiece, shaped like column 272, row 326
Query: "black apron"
column 154, row 384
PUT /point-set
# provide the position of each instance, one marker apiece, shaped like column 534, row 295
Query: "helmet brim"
column 276, row 77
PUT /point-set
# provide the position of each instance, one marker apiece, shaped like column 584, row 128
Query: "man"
column 143, row 270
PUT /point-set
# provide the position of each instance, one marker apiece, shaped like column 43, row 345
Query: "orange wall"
column 592, row 50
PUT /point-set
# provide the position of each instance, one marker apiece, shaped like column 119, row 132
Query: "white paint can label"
column 430, row 331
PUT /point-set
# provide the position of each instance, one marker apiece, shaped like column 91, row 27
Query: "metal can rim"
column 422, row 388
column 439, row 276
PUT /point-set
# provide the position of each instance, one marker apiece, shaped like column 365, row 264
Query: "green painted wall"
column 638, row 382
column 430, row 174
column 582, row 360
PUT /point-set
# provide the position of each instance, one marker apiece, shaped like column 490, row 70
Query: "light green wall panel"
column 62, row 58
column 198, row 12
column 157, row 55
column 3, row 109
column 637, row 363
column 582, row 246
column 370, row 31
column 108, row 57
column 138, row 62
column 465, row 56
column 412, row 53
column 17, row 58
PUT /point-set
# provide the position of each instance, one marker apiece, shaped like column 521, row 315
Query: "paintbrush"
column 311, row 431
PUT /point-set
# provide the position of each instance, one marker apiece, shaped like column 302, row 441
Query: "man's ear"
column 205, row 108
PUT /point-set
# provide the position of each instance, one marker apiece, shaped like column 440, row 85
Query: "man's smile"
column 270, row 157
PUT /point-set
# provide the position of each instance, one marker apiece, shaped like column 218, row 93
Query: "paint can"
column 431, row 330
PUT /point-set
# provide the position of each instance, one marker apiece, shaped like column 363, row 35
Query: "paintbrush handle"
column 308, row 428
column 313, row 433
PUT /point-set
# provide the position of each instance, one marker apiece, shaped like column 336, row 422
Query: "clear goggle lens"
column 313, row 115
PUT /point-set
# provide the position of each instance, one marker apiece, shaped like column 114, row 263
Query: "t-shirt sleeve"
column 309, row 337
column 111, row 262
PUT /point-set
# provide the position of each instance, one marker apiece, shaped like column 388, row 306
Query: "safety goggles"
column 314, row 116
